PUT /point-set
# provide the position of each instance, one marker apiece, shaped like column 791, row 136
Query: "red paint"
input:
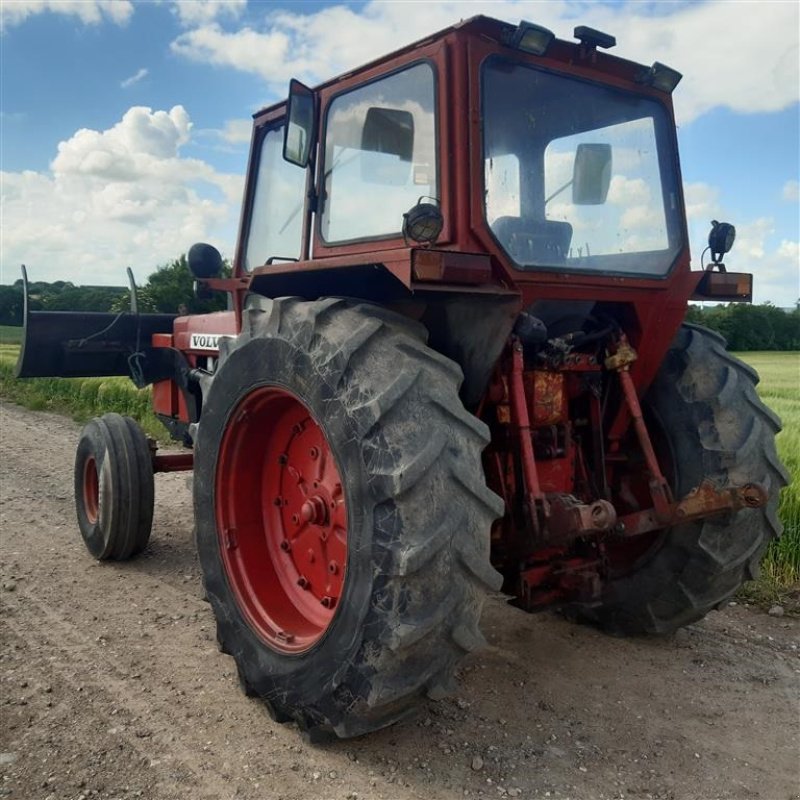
column 519, row 412
column 91, row 490
column 282, row 519
column 173, row 462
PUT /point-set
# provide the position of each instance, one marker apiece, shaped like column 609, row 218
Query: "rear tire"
column 114, row 490
column 715, row 426
column 418, row 512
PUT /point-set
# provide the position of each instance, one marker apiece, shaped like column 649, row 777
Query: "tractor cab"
column 488, row 169
column 548, row 156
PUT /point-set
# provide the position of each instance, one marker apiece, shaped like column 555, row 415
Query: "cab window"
column 276, row 213
column 380, row 155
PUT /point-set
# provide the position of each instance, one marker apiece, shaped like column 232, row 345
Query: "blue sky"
column 125, row 126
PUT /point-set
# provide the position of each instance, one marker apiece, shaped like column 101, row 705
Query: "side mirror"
column 300, row 130
column 591, row 175
column 204, row 261
column 387, row 144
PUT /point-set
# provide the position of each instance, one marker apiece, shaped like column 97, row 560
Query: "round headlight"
column 721, row 239
column 423, row 223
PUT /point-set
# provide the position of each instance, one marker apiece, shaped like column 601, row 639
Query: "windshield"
column 577, row 175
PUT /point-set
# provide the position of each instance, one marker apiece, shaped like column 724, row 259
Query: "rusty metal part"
column 519, row 412
column 569, row 519
column 558, row 578
column 173, row 462
column 706, row 497
column 622, row 357
column 547, row 392
column 706, row 500
column 659, row 489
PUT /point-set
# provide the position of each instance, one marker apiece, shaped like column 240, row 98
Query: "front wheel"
column 342, row 515
column 710, row 424
column 114, row 487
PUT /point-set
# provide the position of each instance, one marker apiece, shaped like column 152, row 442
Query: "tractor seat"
column 534, row 242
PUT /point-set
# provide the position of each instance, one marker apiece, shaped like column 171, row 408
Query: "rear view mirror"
column 204, row 261
column 387, row 144
column 591, row 174
column 300, row 130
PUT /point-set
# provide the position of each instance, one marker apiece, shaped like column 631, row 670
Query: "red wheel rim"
column 281, row 519
column 91, row 490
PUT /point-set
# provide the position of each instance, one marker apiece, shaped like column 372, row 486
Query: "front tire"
column 114, row 487
column 713, row 425
column 409, row 529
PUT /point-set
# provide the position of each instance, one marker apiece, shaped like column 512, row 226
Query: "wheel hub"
column 91, row 490
column 280, row 500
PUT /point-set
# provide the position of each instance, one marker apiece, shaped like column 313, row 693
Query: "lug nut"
column 302, row 582
column 328, row 602
column 314, row 452
column 285, row 546
column 333, row 567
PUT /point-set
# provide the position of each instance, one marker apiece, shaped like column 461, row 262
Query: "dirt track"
column 112, row 685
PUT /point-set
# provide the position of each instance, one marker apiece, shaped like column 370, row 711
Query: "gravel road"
column 112, row 685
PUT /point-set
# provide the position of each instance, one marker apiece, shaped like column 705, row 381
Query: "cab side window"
column 380, row 155
column 277, row 210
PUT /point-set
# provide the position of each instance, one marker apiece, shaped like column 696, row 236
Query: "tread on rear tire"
column 418, row 511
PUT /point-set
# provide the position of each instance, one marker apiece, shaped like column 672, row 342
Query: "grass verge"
column 79, row 398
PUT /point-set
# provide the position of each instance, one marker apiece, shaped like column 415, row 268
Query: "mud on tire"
column 419, row 512
column 705, row 402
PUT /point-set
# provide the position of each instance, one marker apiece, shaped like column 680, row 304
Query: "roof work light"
column 531, row 38
column 662, row 77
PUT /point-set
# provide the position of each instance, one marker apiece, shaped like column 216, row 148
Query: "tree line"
column 170, row 290
column 749, row 327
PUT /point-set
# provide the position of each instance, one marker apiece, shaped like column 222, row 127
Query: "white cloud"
column 702, row 202
column 237, row 131
column 776, row 273
column 202, row 12
column 751, row 67
column 118, row 197
column 90, row 12
column 791, row 191
column 135, row 78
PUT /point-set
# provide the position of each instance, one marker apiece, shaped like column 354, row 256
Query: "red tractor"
column 454, row 363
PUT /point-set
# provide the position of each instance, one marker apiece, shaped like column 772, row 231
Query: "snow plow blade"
column 76, row 344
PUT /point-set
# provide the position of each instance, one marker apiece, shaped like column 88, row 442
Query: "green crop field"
column 10, row 334
column 780, row 390
column 83, row 398
column 79, row 398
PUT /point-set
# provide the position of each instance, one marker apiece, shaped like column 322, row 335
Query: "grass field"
column 10, row 335
column 83, row 398
column 780, row 390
